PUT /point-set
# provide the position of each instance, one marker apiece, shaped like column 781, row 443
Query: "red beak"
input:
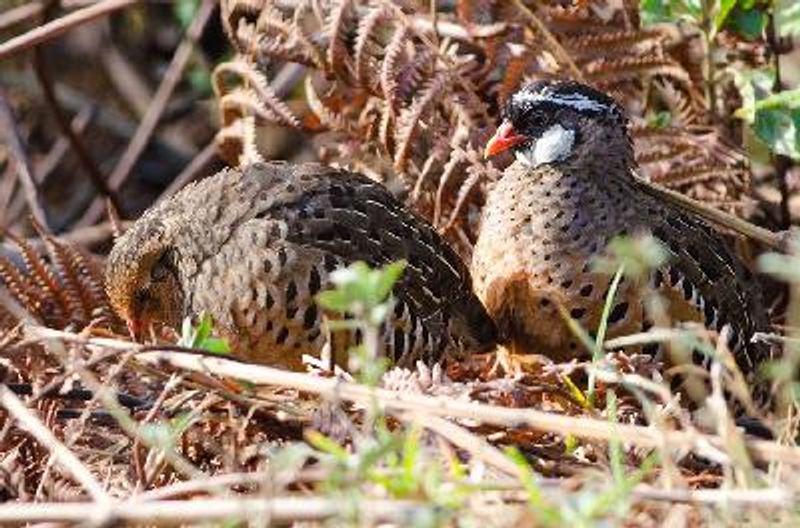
column 505, row 138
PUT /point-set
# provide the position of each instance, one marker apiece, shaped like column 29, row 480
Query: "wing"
column 354, row 218
column 714, row 280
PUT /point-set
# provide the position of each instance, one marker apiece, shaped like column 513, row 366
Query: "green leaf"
column 753, row 86
column 598, row 353
column 334, row 300
column 185, row 10
column 411, row 452
column 638, row 254
column 387, row 277
column 787, row 17
column 547, row 514
column 361, row 290
column 775, row 117
column 749, row 23
column 609, row 303
column 325, row 444
column 780, row 129
column 203, row 329
column 654, row 11
column 657, row 11
column 786, row 99
column 157, row 434
column 725, row 7
column 659, row 119
column 215, row 345
column 201, row 336
column 164, row 433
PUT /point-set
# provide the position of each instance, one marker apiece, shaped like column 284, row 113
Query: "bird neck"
column 602, row 153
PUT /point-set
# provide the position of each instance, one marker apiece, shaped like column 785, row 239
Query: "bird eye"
column 163, row 266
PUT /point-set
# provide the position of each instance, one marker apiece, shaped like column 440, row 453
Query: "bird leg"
column 513, row 363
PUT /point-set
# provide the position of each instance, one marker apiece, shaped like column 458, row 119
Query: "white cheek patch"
column 554, row 145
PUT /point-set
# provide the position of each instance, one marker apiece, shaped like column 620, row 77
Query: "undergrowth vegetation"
column 99, row 429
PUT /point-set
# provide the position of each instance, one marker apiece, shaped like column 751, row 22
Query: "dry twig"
column 60, row 26
column 148, row 124
column 21, row 163
column 395, row 402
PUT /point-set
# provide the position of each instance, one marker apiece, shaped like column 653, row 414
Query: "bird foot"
column 514, row 365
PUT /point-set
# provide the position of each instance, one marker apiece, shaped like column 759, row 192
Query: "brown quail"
column 569, row 192
column 253, row 247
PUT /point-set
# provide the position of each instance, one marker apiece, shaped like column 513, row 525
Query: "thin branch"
column 60, row 26
column 84, row 157
column 126, row 80
column 465, row 439
column 19, row 14
column 21, row 162
column 60, row 148
column 8, row 183
column 279, row 509
column 149, row 122
column 778, row 241
column 741, row 497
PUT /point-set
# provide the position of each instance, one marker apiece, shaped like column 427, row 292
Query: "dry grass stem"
column 393, row 401
column 60, row 26
column 150, row 120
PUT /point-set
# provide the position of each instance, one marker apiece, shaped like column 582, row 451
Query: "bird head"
column 142, row 278
column 544, row 122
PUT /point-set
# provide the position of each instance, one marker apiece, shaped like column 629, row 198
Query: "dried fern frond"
column 60, row 287
column 695, row 161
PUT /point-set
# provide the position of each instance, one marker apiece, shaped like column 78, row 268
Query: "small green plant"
column 587, row 508
column 363, row 297
column 773, row 117
column 394, row 462
column 378, row 457
column 708, row 17
column 631, row 257
column 201, row 337
column 771, row 113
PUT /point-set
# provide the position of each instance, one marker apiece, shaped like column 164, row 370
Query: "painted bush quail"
column 252, row 248
column 569, row 192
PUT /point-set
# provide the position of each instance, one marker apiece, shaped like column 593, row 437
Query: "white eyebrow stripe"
column 577, row 101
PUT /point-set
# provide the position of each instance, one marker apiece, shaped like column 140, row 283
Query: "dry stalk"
column 150, row 120
column 60, row 26
column 279, row 509
column 397, row 402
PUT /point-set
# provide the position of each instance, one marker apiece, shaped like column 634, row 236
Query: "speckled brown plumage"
column 252, row 248
column 556, row 208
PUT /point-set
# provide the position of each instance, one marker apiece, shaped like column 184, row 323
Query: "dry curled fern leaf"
column 59, row 286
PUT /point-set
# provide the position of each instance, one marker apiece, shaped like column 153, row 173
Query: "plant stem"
column 710, row 48
column 780, row 162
